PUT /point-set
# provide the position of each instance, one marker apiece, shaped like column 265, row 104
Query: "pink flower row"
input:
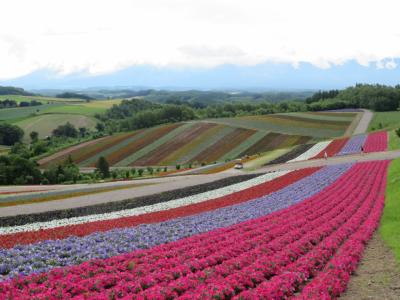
column 272, row 256
column 376, row 141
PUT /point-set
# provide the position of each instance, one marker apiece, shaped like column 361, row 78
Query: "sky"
column 186, row 43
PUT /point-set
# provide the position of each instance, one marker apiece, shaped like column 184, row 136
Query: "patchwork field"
column 317, row 125
column 195, row 142
column 207, row 141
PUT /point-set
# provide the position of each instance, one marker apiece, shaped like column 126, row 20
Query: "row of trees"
column 12, row 103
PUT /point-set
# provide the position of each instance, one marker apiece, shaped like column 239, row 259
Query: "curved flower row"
column 353, row 145
column 313, row 151
column 145, row 209
column 46, row 255
column 270, row 256
column 266, row 188
column 376, row 141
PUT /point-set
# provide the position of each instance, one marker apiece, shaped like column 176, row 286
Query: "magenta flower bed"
column 307, row 250
column 377, row 141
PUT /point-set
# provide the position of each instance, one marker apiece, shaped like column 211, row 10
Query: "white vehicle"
column 238, row 166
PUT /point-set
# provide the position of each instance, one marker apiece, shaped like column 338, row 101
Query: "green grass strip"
column 394, row 141
column 265, row 158
column 390, row 223
column 234, row 153
column 142, row 152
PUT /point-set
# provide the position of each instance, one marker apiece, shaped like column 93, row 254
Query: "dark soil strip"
column 125, row 204
column 291, row 154
column 377, row 276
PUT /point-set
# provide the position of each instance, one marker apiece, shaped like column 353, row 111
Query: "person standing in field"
column 325, row 155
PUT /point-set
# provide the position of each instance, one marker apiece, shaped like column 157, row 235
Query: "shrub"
column 103, row 167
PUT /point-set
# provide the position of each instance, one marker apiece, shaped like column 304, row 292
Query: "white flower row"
column 145, row 209
column 310, row 153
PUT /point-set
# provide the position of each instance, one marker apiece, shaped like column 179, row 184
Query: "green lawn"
column 394, row 141
column 390, row 223
column 45, row 124
column 385, row 120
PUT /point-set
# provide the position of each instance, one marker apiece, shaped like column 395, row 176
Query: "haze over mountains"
column 265, row 76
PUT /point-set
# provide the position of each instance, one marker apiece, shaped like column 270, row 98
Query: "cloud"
column 97, row 37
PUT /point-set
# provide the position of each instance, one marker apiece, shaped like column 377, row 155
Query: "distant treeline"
column 150, row 110
column 70, row 95
column 371, row 96
column 11, row 103
column 10, row 90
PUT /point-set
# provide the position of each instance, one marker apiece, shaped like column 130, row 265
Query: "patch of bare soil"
column 377, row 276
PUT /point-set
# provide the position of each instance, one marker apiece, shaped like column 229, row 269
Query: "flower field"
column 373, row 142
column 297, row 234
column 195, row 142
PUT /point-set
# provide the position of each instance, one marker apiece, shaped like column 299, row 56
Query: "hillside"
column 53, row 112
column 207, row 141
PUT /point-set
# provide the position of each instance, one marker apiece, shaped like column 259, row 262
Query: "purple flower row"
column 353, row 145
column 43, row 256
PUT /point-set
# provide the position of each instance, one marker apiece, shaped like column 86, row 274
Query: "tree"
column 10, row 134
column 34, row 136
column 82, row 131
column 100, row 127
column 103, row 167
column 66, row 130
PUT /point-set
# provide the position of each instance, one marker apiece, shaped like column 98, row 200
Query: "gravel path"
column 366, row 118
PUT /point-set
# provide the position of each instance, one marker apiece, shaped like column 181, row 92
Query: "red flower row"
column 377, row 141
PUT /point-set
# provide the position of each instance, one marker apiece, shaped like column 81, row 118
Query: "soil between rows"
column 377, row 276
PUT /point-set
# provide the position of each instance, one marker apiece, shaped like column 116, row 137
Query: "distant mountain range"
column 268, row 76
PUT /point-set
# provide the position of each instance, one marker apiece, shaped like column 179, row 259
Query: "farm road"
column 366, row 118
column 171, row 183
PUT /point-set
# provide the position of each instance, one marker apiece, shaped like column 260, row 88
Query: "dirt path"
column 377, row 276
column 366, row 118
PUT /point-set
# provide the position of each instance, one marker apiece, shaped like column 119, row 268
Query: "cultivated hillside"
column 207, row 141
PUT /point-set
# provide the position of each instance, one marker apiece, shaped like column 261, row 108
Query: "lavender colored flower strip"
column 353, row 145
column 43, row 256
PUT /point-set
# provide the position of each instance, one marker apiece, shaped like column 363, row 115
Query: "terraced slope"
column 207, row 141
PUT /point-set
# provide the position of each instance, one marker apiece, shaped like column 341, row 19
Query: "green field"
column 54, row 111
column 385, row 120
column 394, row 140
column 45, row 124
column 390, row 223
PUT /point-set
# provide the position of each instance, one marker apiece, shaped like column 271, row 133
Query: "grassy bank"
column 385, row 120
column 390, row 223
column 394, row 140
